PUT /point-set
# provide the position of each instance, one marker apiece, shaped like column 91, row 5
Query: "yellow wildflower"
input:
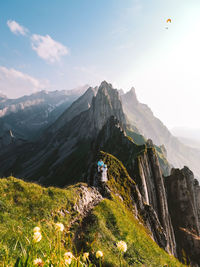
column 99, row 254
column 36, row 229
column 37, row 237
column 85, row 256
column 59, row 227
column 68, row 261
column 68, row 256
column 38, row 262
column 122, row 246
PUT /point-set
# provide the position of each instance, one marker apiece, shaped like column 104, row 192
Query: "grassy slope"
column 110, row 222
column 26, row 205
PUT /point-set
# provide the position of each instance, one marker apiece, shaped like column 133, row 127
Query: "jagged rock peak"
column 149, row 143
column 184, row 171
column 131, row 95
column 105, row 84
column 107, row 93
column 107, row 103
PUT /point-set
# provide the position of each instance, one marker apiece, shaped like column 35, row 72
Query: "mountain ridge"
column 142, row 117
column 69, row 155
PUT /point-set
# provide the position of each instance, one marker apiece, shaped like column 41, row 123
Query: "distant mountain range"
column 29, row 115
column 45, row 113
column 188, row 136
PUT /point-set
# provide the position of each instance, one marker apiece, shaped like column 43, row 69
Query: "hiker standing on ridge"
column 104, row 174
column 102, row 179
column 100, row 165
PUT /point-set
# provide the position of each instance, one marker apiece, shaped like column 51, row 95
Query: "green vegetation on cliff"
column 26, row 205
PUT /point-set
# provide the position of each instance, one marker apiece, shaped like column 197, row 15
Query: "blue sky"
column 64, row 44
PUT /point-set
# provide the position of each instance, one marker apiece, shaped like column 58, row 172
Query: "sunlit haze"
column 128, row 43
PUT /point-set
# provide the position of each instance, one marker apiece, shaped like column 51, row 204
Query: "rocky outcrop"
column 183, row 202
column 151, row 185
column 124, row 187
column 197, row 197
column 106, row 104
column 88, row 198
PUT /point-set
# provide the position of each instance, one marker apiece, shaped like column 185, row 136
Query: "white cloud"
column 47, row 48
column 14, row 83
column 16, row 28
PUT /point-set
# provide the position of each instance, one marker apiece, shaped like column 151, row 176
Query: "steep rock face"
column 141, row 116
column 197, row 197
column 121, row 184
column 106, row 104
column 143, row 167
column 151, row 184
column 183, row 197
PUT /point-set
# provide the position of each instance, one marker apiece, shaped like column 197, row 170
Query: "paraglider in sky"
column 168, row 21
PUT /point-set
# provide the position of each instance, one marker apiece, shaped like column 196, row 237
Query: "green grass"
column 110, row 222
column 26, row 205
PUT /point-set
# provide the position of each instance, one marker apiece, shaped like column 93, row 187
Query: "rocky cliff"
column 148, row 190
column 151, row 184
column 183, row 200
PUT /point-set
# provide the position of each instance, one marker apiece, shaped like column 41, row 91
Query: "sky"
column 61, row 44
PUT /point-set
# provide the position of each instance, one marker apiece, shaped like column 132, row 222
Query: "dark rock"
column 183, row 201
column 151, row 185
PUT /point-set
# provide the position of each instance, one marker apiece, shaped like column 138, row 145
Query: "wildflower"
column 68, row 261
column 68, row 256
column 122, row 246
column 59, row 227
column 38, row 262
column 85, row 256
column 36, row 229
column 99, row 254
column 37, row 237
